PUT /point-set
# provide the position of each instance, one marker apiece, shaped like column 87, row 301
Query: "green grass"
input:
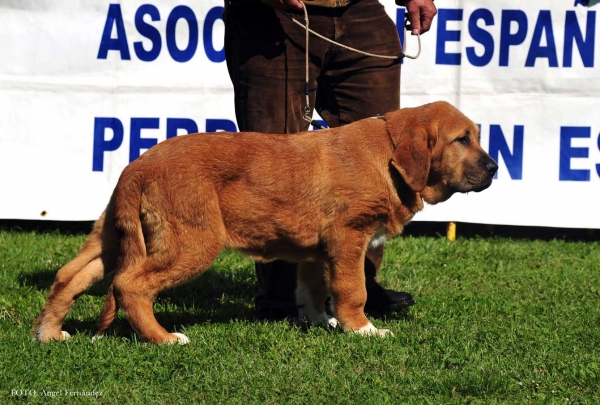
column 496, row 321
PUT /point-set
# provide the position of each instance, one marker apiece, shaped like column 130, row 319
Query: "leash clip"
column 307, row 116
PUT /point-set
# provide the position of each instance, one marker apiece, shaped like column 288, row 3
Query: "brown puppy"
column 318, row 198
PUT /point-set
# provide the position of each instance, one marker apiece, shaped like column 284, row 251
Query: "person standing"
column 265, row 55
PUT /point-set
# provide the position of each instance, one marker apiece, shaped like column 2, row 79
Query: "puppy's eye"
column 463, row 140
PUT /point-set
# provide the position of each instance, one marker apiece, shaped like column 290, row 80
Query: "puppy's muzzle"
column 488, row 169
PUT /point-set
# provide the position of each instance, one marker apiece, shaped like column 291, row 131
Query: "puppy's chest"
column 404, row 214
column 379, row 238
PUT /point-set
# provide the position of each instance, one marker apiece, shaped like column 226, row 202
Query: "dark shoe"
column 382, row 300
column 276, row 298
column 275, row 309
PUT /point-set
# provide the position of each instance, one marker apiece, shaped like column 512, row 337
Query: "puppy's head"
column 437, row 151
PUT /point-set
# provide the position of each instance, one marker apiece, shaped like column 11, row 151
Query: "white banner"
column 87, row 86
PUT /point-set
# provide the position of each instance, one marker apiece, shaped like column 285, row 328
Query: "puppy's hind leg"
column 311, row 293
column 96, row 259
column 135, row 288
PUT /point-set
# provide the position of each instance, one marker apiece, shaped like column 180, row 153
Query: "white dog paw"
column 328, row 321
column 320, row 320
column 331, row 322
column 370, row 330
column 44, row 337
column 95, row 338
column 181, row 338
column 325, row 320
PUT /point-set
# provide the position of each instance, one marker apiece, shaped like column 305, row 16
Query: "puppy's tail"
column 109, row 311
column 127, row 199
column 127, row 214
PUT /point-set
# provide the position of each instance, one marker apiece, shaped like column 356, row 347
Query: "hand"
column 284, row 4
column 420, row 15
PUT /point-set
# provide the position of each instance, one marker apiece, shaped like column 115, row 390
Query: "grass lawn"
column 497, row 320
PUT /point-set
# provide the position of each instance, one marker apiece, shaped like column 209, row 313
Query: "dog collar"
column 381, row 117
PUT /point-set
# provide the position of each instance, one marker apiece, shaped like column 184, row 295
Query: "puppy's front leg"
column 348, row 290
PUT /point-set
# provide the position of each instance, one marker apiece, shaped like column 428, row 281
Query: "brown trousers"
column 265, row 53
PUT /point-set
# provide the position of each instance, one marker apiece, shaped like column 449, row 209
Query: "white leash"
column 307, row 111
column 403, row 51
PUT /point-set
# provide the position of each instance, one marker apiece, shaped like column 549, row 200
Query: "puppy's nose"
column 491, row 167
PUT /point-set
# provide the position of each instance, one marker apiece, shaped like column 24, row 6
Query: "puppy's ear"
column 412, row 156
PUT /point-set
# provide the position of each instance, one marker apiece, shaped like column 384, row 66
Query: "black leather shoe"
column 275, row 309
column 382, row 300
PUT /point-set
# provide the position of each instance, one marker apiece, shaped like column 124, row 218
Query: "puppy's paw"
column 180, row 338
column 370, row 330
column 44, row 337
column 325, row 320
column 321, row 319
column 332, row 322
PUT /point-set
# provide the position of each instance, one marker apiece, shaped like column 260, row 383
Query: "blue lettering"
column 598, row 165
column 114, row 17
column 400, row 22
column 444, row 35
column 102, row 145
column 214, row 125
column 137, row 143
column 322, row 122
column 499, row 146
column 536, row 50
column 175, row 124
column 214, row 14
column 513, row 32
column 506, row 38
column 573, row 33
column 187, row 14
column 567, row 152
column 148, row 31
column 175, row 127
column 481, row 36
